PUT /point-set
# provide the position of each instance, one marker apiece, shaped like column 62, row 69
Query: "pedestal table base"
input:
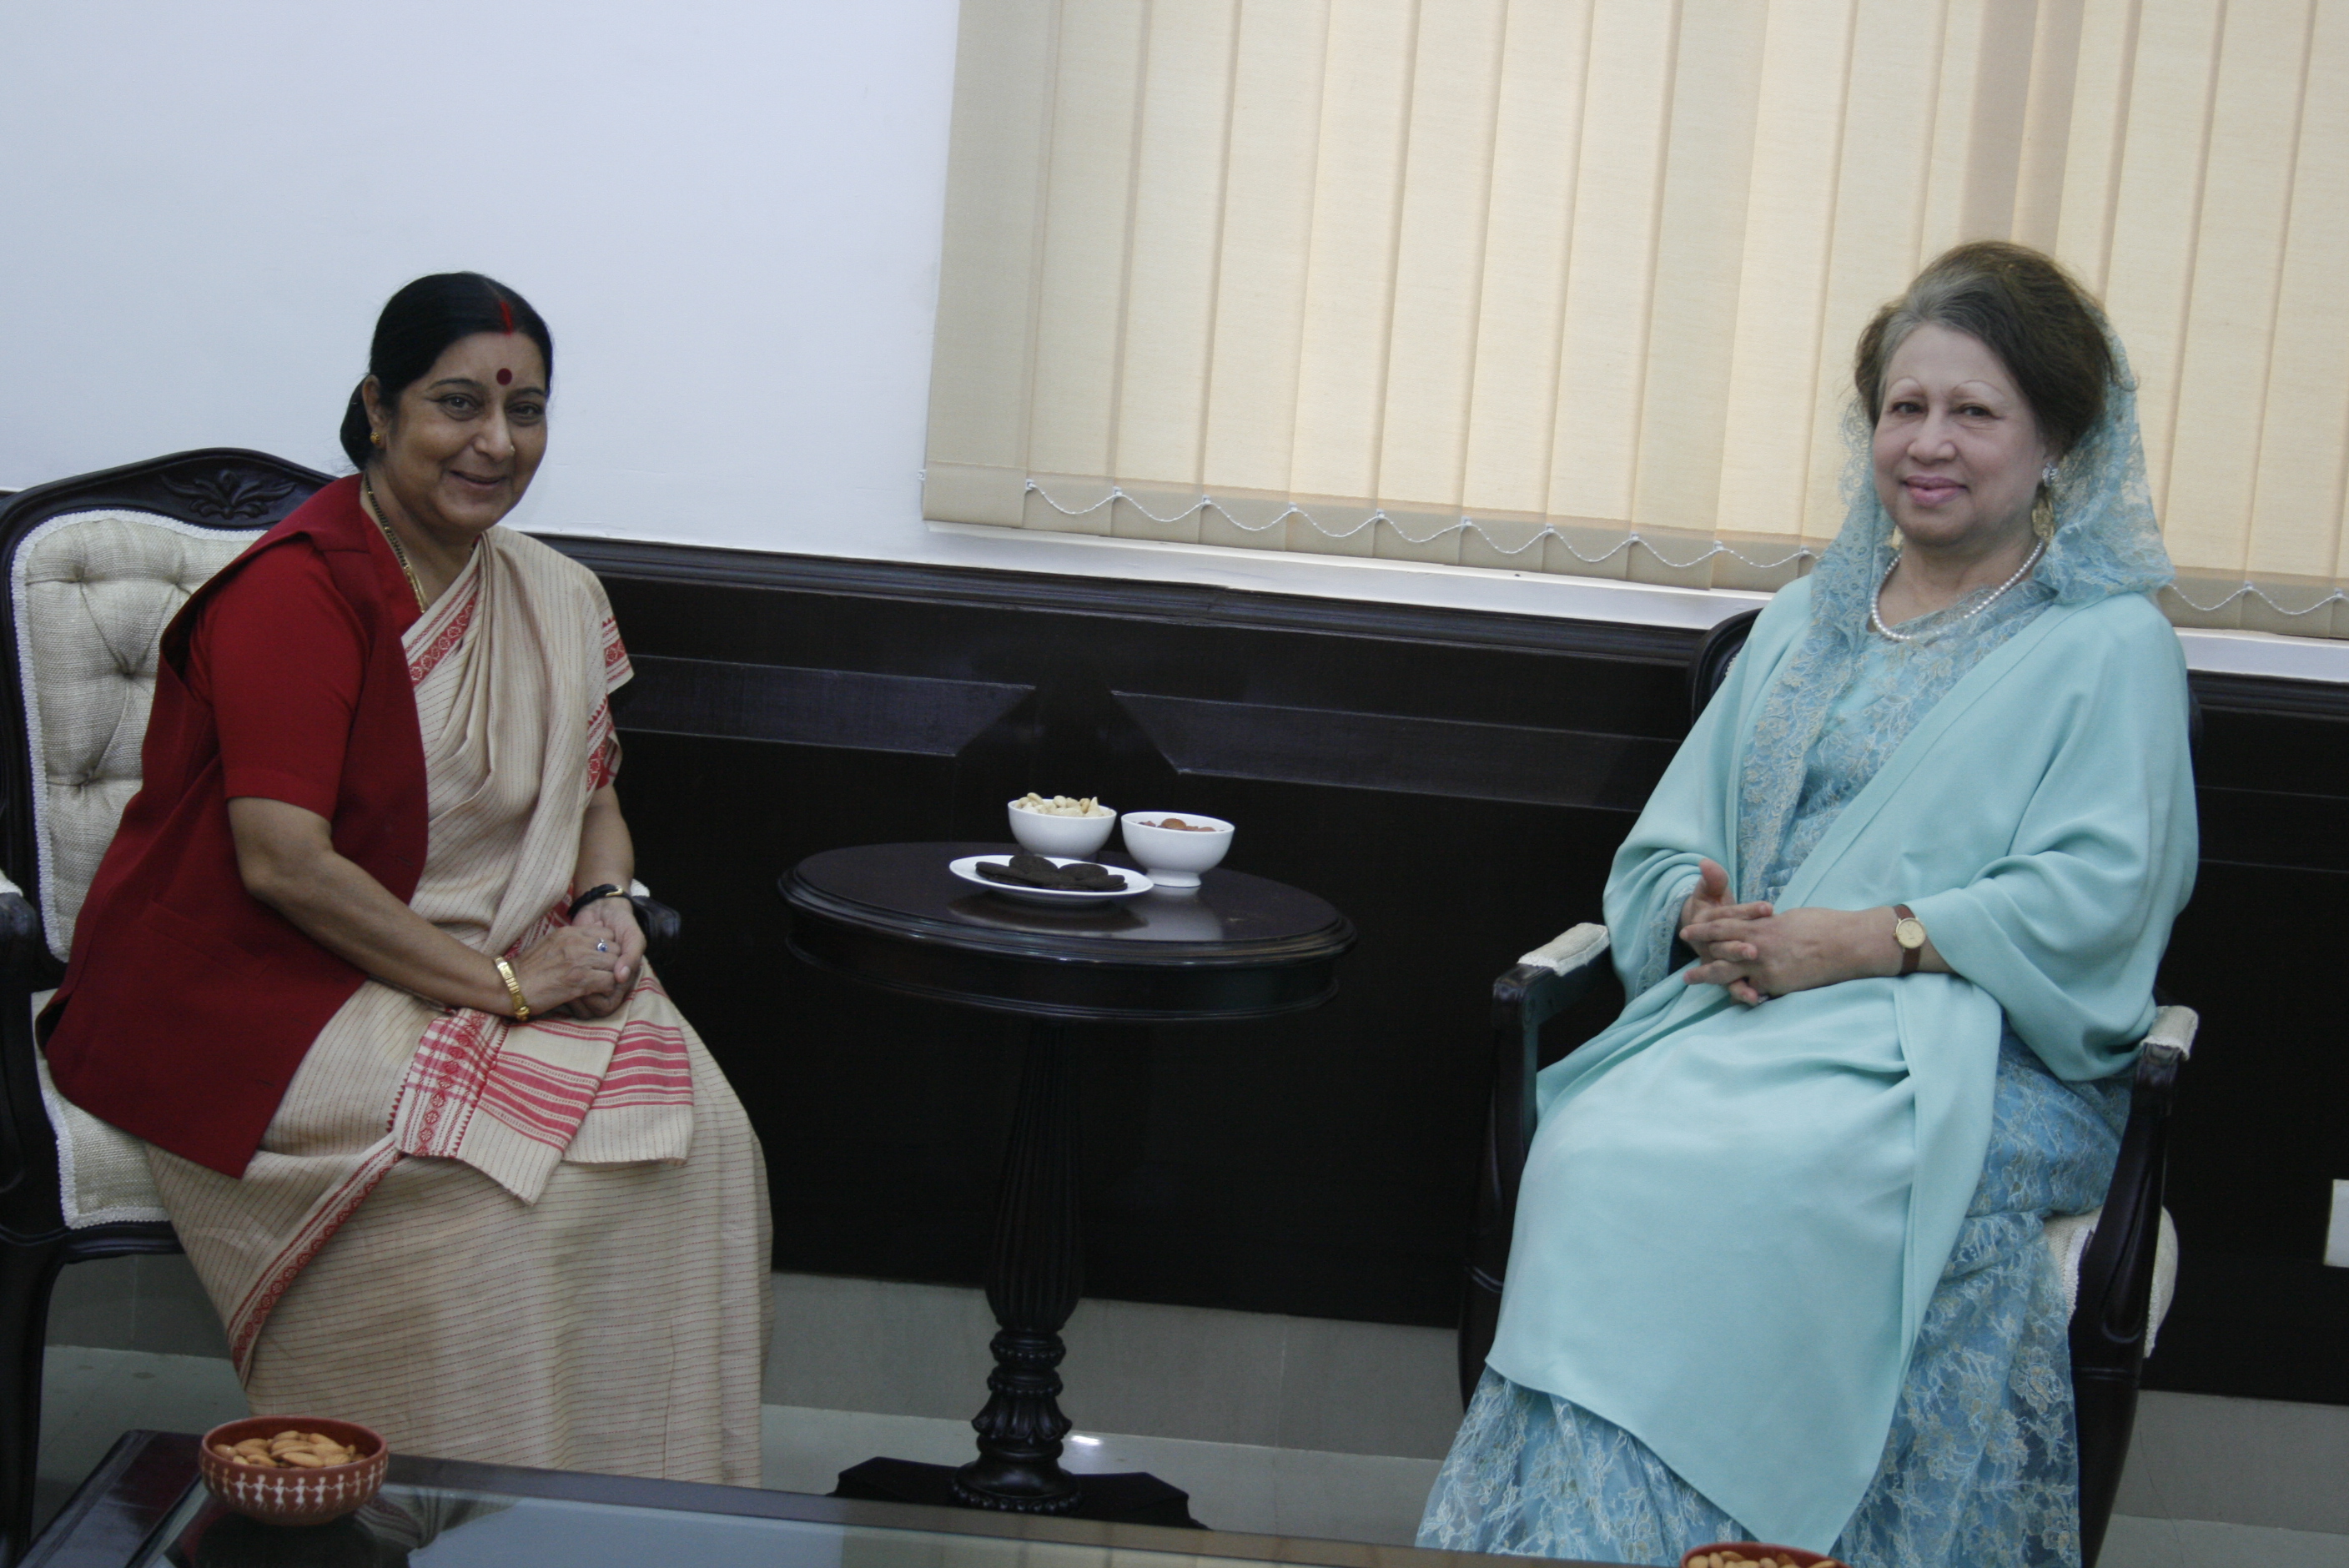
column 1135, row 1499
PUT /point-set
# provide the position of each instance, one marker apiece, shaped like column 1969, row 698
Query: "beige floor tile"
column 2267, row 1462
column 2139, row 1543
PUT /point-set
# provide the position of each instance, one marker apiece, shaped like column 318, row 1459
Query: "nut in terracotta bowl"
column 292, row 1469
column 1753, row 1553
column 1175, row 847
column 1044, row 830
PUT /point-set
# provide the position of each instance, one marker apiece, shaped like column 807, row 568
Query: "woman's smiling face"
column 462, row 444
column 1958, row 452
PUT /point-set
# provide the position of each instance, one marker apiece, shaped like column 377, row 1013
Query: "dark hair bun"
column 416, row 327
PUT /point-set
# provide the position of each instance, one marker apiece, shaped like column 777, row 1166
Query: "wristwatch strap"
column 602, row 890
column 1909, row 956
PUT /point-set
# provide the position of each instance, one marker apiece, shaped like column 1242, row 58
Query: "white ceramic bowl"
column 1175, row 856
column 1048, row 834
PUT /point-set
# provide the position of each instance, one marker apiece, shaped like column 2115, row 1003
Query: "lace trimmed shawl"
column 2107, row 541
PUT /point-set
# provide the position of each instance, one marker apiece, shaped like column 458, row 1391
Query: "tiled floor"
column 93, row 1395
column 2196, row 1543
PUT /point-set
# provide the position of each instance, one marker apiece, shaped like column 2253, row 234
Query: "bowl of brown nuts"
column 292, row 1469
column 1175, row 848
column 1755, row 1554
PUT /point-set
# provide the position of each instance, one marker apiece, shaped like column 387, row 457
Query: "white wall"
column 727, row 212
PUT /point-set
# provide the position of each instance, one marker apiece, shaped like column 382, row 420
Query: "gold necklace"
column 399, row 552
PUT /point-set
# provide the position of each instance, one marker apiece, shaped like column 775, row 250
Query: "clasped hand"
column 563, row 971
column 1757, row 952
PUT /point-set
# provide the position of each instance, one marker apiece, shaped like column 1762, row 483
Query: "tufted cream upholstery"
column 102, row 1175
column 93, row 592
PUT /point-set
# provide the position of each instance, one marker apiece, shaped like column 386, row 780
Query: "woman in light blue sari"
column 1889, row 927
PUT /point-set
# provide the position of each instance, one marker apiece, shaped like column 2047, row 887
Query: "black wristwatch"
column 601, row 890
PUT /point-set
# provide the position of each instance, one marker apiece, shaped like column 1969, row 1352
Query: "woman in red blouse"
column 360, row 968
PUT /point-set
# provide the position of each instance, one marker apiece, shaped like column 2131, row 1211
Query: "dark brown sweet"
column 1025, row 870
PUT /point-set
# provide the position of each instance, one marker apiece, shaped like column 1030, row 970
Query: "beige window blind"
column 1571, row 285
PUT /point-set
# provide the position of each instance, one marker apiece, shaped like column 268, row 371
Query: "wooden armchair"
column 2118, row 1261
column 95, row 567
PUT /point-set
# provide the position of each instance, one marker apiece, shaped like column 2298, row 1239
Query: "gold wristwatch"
column 1909, row 933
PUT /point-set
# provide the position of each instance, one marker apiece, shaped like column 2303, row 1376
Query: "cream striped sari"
column 543, row 1243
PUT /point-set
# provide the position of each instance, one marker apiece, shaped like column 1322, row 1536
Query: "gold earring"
column 376, row 436
column 2043, row 507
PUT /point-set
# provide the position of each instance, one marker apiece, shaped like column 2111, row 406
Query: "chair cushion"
column 2067, row 1240
column 93, row 591
column 102, row 1174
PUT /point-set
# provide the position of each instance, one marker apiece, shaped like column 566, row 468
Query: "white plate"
column 967, row 867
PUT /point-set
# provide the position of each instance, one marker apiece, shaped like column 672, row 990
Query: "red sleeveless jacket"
column 188, row 1003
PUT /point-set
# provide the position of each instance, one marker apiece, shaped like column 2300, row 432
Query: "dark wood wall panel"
column 813, row 707
column 1441, row 757
column 2262, row 1125
column 1456, row 783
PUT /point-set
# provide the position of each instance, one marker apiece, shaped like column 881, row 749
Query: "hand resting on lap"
column 1756, row 951
column 612, row 921
column 287, row 858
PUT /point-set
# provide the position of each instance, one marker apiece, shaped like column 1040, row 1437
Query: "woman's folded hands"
column 1757, row 952
column 564, row 970
column 613, row 922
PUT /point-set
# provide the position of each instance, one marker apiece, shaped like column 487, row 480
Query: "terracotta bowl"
column 294, row 1496
column 1752, row 1551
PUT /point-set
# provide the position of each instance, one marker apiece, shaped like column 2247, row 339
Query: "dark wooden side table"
column 1238, row 946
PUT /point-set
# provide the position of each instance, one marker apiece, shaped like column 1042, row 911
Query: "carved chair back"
column 96, row 566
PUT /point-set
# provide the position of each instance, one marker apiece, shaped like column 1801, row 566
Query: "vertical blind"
column 1571, row 285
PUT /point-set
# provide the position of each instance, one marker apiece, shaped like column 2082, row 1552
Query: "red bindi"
column 505, row 378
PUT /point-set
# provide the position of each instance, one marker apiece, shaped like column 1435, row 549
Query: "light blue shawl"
column 1731, row 1219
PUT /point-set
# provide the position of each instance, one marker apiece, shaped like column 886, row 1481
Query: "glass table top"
column 434, row 1528
column 144, row 1506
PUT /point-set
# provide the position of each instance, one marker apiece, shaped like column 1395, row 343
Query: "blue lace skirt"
column 1981, row 1469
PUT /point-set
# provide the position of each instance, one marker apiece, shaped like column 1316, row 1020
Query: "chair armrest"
column 1571, row 949
column 2174, row 1028
column 661, row 925
column 2108, row 1328
column 20, row 931
column 28, row 1177
column 1541, row 985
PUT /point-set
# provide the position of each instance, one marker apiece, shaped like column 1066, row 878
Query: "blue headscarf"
column 2108, row 541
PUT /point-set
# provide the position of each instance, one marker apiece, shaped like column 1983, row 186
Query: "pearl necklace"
column 1875, row 600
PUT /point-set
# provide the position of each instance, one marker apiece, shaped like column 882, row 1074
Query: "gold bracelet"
column 514, row 989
